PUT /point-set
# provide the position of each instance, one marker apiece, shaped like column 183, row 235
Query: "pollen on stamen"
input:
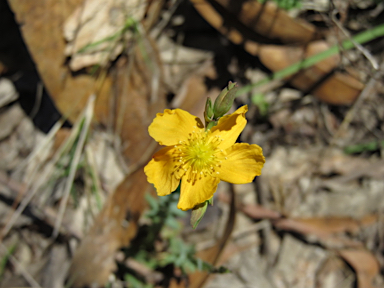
column 217, row 172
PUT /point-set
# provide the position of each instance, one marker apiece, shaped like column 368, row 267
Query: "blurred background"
column 81, row 80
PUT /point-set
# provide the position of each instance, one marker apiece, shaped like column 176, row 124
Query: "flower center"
column 199, row 153
column 198, row 156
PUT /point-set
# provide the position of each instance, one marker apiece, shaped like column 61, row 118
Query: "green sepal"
column 198, row 213
column 208, row 113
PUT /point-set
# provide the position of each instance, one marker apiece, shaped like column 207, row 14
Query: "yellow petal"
column 161, row 172
column 244, row 162
column 229, row 127
column 196, row 193
column 172, row 126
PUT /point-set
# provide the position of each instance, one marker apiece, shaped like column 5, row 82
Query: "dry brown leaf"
column 323, row 227
column 95, row 21
column 330, row 232
column 364, row 263
column 251, row 22
column 42, row 33
column 336, row 88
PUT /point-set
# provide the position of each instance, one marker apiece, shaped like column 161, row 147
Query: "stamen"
column 198, row 154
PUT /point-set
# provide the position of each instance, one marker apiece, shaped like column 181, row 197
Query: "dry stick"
column 28, row 277
column 76, row 158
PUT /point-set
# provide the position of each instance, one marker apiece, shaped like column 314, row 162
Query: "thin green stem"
column 360, row 38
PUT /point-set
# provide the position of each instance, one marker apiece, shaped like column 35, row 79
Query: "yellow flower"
column 200, row 158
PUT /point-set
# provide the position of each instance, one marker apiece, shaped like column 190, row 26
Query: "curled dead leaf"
column 364, row 263
column 321, row 227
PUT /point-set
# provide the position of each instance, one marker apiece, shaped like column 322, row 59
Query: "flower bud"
column 225, row 100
